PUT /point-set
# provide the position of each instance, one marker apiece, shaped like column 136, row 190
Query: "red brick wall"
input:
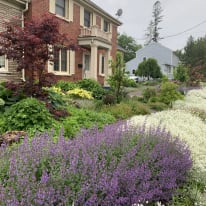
column 37, row 8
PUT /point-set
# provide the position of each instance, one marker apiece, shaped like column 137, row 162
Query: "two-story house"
column 92, row 28
column 166, row 58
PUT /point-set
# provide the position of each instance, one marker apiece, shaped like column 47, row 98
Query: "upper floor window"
column 87, row 18
column 106, row 26
column 60, row 7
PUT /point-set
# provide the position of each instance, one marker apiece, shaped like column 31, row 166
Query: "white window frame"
column 5, row 69
column 69, row 9
column 70, row 64
column 90, row 19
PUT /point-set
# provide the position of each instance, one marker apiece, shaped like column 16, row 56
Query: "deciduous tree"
column 28, row 45
column 149, row 68
column 130, row 46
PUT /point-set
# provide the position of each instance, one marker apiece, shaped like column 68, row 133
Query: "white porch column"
column 94, row 61
column 107, row 71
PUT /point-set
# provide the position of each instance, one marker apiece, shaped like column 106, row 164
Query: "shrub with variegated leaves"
column 80, row 93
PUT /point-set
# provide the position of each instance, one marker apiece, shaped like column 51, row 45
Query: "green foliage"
column 129, row 83
column 109, row 99
column 190, row 194
column 93, row 86
column 148, row 93
column 80, row 93
column 169, row 93
column 126, row 109
column 130, row 46
column 82, row 118
column 149, row 68
column 8, row 97
column 116, row 80
column 194, row 58
column 181, row 73
column 27, row 113
column 66, row 85
column 157, row 106
column 55, row 97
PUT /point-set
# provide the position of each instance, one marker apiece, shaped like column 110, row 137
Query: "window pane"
column 87, row 16
column 56, row 60
column 103, row 63
column 106, row 26
column 60, row 7
column 63, row 60
column 87, row 62
column 2, row 62
column 60, row 3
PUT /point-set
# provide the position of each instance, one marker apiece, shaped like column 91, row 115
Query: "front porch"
column 96, row 57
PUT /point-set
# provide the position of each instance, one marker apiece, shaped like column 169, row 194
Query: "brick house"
column 89, row 26
column 10, row 9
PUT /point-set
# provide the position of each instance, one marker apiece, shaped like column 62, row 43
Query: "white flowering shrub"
column 194, row 99
column 188, row 127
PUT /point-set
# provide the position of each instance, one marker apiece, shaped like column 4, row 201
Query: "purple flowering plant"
column 118, row 165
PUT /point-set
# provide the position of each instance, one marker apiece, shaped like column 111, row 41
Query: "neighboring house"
column 10, row 9
column 90, row 27
column 165, row 57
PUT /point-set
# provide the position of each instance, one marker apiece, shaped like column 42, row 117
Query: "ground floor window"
column 64, row 62
column 3, row 65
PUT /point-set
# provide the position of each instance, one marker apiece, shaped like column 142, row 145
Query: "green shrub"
column 66, row 85
column 55, row 97
column 80, row 93
column 126, row 109
column 130, row 83
column 137, row 107
column 148, row 93
column 158, row 106
column 93, row 86
column 169, row 93
column 109, row 99
column 82, row 118
column 27, row 113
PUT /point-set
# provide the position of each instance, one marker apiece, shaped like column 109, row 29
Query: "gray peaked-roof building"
column 165, row 57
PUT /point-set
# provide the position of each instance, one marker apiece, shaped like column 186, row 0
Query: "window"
column 102, row 64
column 64, row 62
column 86, row 62
column 60, row 60
column 3, row 63
column 60, row 7
column 87, row 18
column 106, row 26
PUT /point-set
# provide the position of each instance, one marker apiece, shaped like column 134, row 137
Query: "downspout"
column 22, row 16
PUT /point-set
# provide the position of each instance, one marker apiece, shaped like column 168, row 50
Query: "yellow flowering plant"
column 80, row 93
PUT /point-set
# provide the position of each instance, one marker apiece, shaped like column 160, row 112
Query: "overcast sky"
column 178, row 16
